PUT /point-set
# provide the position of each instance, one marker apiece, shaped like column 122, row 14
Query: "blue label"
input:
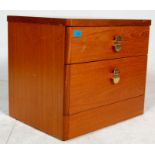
column 77, row 33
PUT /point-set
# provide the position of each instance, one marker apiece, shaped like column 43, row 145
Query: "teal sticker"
column 77, row 33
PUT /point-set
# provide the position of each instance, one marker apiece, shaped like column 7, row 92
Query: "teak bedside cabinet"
column 68, row 77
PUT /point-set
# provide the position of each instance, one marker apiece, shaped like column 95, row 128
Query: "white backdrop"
column 73, row 14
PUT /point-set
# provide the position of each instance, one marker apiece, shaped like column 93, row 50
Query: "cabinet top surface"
column 80, row 22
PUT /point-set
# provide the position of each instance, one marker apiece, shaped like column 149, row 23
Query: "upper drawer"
column 86, row 44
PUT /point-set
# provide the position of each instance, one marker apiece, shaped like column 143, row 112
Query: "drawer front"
column 94, row 84
column 86, row 44
column 88, row 121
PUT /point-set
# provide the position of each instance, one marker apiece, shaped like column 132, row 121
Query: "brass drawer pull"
column 116, row 76
column 117, row 43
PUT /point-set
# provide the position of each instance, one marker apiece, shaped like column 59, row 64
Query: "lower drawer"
column 87, row 121
column 91, row 85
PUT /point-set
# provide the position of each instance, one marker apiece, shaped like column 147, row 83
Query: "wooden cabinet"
column 68, row 77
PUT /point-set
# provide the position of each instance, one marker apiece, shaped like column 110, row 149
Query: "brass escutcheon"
column 116, row 75
column 117, row 43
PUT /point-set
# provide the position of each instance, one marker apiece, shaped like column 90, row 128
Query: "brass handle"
column 117, row 43
column 116, row 76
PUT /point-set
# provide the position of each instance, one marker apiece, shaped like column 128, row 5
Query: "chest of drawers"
column 68, row 77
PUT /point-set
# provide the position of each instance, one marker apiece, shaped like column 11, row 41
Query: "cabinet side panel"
column 36, row 75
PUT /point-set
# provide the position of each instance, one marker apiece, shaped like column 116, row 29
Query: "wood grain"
column 94, row 119
column 107, row 22
column 90, row 85
column 96, row 43
column 80, row 22
column 36, row 75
